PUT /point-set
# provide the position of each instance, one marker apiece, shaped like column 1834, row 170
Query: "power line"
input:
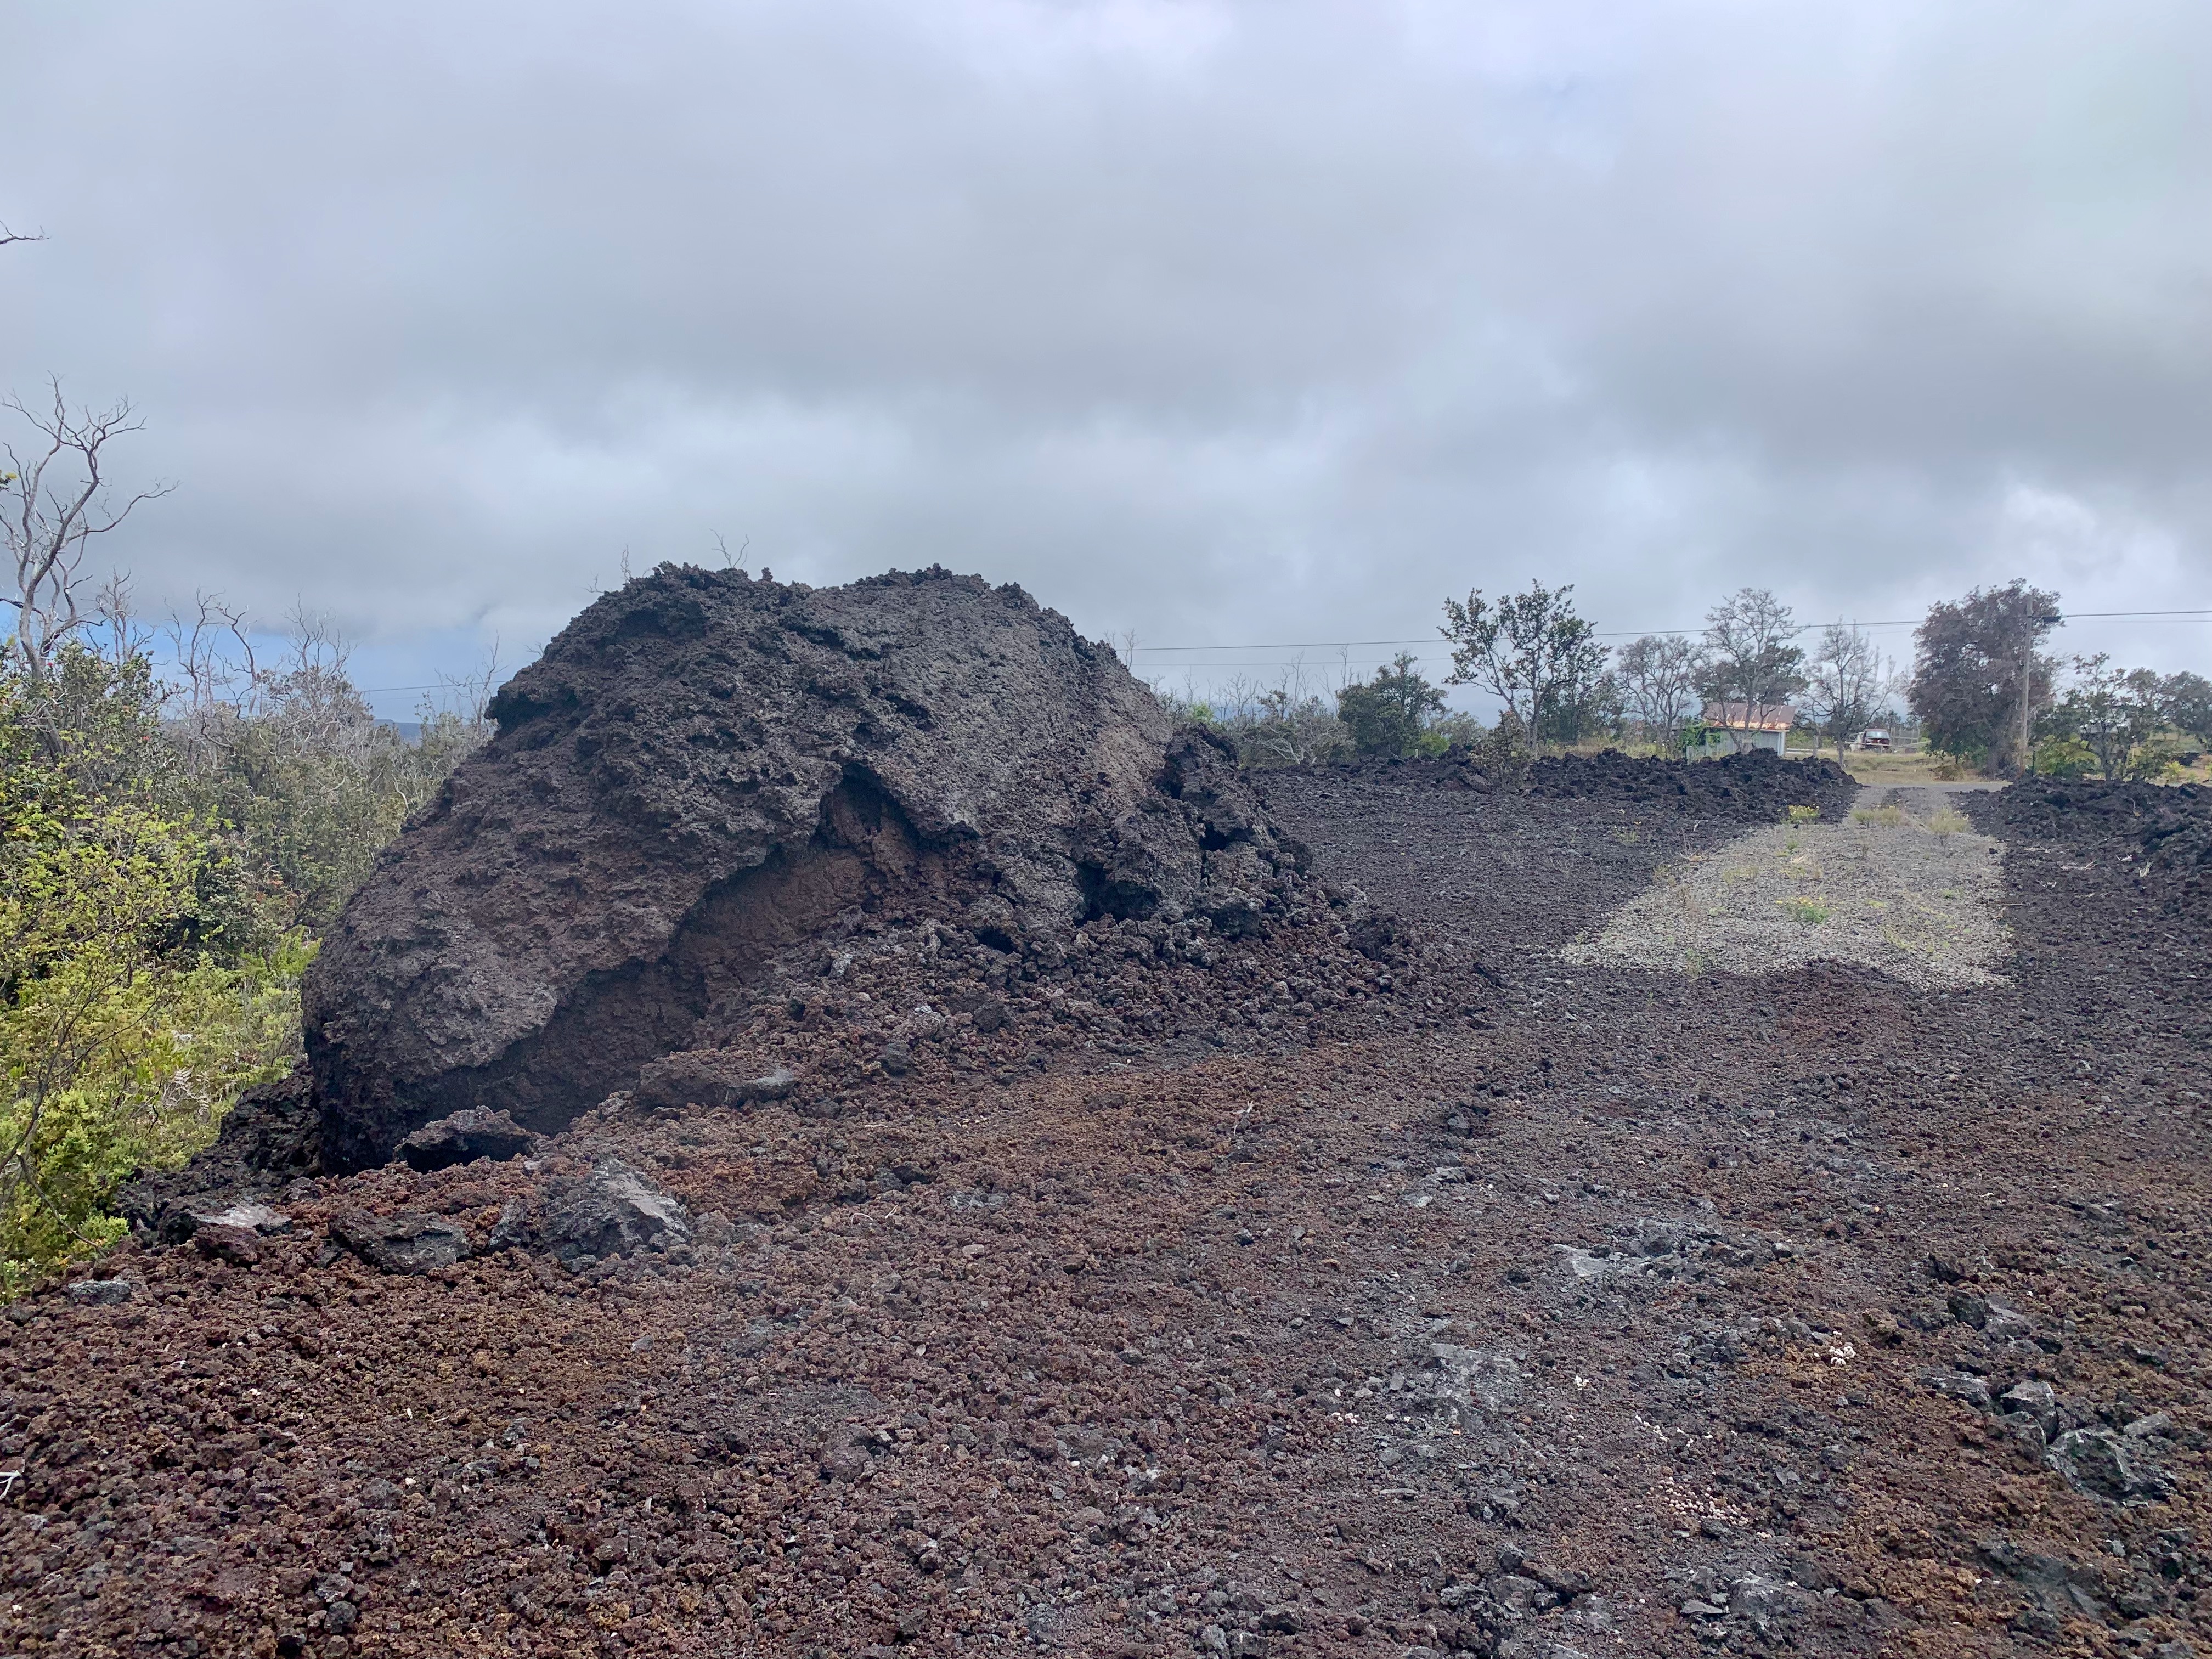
column 2092, row 615
column 1350, row 645
column 1637, row 633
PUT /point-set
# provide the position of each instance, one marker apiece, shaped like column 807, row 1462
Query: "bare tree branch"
column 1845, row 683
column 1750, row 661
column 54, row 499
column 1659, row 675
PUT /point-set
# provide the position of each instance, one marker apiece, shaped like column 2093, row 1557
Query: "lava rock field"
column 1377, row 1284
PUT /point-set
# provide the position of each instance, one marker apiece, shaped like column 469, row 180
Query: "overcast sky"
column 1218, row 323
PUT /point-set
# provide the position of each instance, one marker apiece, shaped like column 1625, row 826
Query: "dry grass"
column 1915, row 897
column 1944, row 822
column 1895, row 768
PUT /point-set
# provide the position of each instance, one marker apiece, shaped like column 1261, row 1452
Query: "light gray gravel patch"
column 1913, row 893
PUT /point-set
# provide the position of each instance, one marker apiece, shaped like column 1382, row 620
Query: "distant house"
column 1732, row 726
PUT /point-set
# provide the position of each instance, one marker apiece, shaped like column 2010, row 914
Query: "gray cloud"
column 1217, row 322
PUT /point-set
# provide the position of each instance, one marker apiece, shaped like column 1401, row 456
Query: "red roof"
column 1736, row 716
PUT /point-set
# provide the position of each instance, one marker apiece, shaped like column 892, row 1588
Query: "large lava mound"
column 705, row 776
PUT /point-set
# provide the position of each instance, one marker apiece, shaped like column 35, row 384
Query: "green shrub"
column 1389, row 715
column 2156, row 760
column 124, row 1032
column 300, row 768
column 2064, row 757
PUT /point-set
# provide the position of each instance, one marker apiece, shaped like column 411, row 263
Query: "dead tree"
column 1750, row 662
column 54, row 499
column 1659, row 676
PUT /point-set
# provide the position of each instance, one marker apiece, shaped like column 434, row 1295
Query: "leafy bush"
column 166, row 856
column 124, row 1033
column 2064, row 757
column 2156, row 760
column 1389, row 715
column 1456, row 729
column 292, row 759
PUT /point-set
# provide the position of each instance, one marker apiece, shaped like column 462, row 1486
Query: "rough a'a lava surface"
column 703, row 774
column 1316, row 1285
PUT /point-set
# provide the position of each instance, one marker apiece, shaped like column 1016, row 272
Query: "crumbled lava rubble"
column 1366, row 1282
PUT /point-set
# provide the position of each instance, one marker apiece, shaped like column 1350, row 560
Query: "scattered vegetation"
column 131, row 1011
column 171, row 844
column 1288, row 724
column 1809, row 911
column 2125, row 724
column 292, row 757
column 1397, row 713
column 1983, row 688
column 168, row 853
column 1895, row 939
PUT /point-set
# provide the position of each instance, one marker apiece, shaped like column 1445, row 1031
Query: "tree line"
column 1982, row 688
column 1989, row 692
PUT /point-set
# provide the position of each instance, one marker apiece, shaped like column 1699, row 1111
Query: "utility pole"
column 2028, row 682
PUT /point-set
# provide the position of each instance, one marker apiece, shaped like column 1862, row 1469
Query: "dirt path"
column 1627, row 1313
column 1912, row 894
